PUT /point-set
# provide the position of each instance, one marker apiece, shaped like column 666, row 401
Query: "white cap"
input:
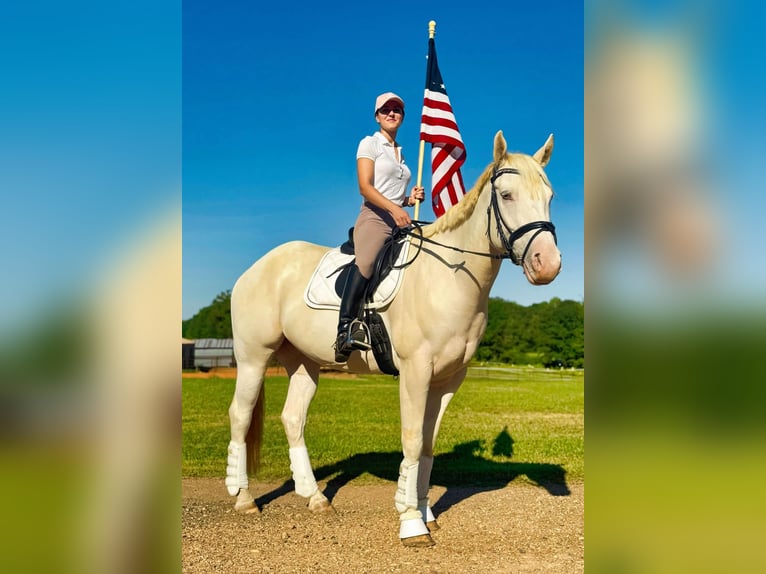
column 387, row 97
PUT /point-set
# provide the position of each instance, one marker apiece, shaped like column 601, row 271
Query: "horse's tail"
column 254, row 437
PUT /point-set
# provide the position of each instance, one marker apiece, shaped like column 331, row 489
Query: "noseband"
column 507, row 235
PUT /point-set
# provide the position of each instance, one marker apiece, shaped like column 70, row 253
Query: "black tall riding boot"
column 350, row 338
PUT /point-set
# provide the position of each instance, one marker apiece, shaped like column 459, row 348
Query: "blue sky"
column 275, row 101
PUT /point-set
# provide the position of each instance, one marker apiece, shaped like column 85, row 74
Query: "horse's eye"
column 507, row 195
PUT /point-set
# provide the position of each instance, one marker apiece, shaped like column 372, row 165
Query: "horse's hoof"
column 323, row 506
column 432, row 526
column 247, row 507
column 420, row 541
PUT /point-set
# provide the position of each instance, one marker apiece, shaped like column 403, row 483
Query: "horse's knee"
column 239, row 420
column 293, row 424
column 412, row 444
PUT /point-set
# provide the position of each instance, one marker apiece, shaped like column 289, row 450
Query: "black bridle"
column 507, row 235
column 503, row 227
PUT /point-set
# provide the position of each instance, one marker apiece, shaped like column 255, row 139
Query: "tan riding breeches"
column 372, row 228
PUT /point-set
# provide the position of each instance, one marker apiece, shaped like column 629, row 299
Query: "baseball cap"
column 383, row 98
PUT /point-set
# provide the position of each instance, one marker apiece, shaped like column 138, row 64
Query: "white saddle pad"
column 320, row 292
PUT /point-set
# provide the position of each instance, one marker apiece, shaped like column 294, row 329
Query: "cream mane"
column 533, row 178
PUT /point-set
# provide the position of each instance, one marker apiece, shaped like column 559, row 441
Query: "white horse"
column 435, row 324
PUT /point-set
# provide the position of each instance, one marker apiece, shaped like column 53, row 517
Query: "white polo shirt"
column 392, row 177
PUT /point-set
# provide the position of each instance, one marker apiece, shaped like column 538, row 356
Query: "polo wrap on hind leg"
column 236, row 467
column 303, row 475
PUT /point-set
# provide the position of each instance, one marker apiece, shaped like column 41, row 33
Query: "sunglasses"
column 386, row 111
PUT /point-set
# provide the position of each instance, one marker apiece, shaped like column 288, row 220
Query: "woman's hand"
column 401, row 217
column 417, row 194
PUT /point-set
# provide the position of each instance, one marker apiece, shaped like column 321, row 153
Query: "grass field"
column 504, row 424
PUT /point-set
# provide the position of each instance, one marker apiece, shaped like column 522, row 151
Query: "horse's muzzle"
column 543, row 261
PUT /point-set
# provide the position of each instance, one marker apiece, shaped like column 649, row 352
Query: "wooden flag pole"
column 431, row 34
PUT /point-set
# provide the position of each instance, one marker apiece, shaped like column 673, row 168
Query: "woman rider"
column 383, row 178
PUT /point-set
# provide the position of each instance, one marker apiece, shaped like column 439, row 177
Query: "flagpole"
column 431, row 34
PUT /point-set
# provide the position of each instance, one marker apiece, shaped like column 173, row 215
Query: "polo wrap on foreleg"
column 305, row 483
column 406, row 499
column 236, row 467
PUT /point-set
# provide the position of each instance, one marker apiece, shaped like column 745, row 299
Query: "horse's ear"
column 543, row 155
column 500, row 146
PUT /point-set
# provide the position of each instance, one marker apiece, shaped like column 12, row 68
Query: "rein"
column 507, row 235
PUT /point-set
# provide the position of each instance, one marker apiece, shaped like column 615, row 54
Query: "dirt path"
column 519, row 528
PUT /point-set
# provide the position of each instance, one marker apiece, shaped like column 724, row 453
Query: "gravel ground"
column 518, row 528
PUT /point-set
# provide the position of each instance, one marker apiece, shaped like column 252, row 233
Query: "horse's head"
column 519, row 211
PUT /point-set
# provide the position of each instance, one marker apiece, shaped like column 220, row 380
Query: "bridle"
column 503, row 227
column 508, row 236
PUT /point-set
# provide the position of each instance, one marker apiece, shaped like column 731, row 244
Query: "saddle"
column 325, row 289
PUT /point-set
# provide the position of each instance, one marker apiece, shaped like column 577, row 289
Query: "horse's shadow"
column 464, row 472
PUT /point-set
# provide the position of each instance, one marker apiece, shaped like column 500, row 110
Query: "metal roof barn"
column 212, row 353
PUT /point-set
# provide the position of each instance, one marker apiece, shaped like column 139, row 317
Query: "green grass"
column 502, row 425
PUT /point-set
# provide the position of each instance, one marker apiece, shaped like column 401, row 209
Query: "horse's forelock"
column 532, row 174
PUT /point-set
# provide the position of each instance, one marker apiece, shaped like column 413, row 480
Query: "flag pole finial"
column 431, row 29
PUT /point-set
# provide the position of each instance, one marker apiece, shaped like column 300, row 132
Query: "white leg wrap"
column 236, row 468
column 424, row 479
column 305, row 483
column 406, row 498
column 406, row 501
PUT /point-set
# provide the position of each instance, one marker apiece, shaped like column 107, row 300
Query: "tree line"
column 549, row 334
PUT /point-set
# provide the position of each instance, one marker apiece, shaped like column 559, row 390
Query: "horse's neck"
column 480, row 271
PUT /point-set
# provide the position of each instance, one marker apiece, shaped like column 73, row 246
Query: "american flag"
column 438, row 127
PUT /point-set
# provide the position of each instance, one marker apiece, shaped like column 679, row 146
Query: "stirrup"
column 358, row 336
column 352, row 338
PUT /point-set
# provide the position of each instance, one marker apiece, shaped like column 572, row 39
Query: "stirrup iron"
column 354, row 328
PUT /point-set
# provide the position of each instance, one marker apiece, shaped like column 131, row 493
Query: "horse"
column 435, row 324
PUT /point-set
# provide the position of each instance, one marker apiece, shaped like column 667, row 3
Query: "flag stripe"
column 435, row 97
column 434, row 104
column 442, row 138
column 436, row 120
column 436, row 126
column 443, row 171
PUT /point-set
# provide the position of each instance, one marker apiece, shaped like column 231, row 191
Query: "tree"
column 562, row 334
column 549, row 333
column 213, row 321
